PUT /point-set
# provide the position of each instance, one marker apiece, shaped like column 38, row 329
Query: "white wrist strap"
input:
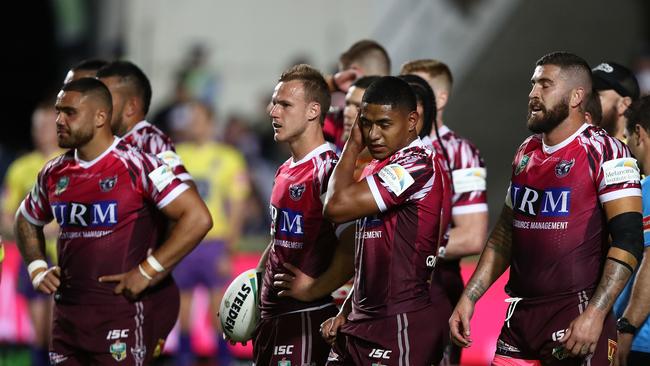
column 143, row 273
column 36, row 264
column 40, row 277
column 153, row 262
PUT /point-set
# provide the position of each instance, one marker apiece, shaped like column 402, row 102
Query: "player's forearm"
column 338, row 196
column 639, row 306
column 186, row 234
column 261, row 265
column 614, row 278
column 468, row 235
column 495, row 258
column 339, row 272
column 29, row 239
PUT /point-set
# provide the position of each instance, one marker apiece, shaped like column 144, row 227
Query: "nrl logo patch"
column 61, row 185
column 563, row 168
column 107, row 184
column 118, row 351
column 522, row 164
column 296, row 191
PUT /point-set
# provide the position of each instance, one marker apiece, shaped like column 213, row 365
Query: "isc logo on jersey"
column 551, row 202
column 288, row 222
column 102, row 213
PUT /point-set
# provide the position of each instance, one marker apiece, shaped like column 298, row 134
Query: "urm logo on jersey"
column 551, row 202
column 286, row 222
column 96, row 214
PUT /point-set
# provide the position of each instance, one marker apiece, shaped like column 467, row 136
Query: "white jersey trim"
column 140, row 125
column 375, row 193
column 627, row 192
column 551, row 149
column 29, row 217
column 319, row 150
column 87, row 164
column 467, row 209
column 306, row 309
column 173, row 195
column 185, row 177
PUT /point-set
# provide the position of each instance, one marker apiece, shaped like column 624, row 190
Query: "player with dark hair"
column 84, row 69
column 114, row 299
column 302, row 241
column 572, row 186
column 131, row 93
column 399, row 209
column 633, row 305
column 617, row 88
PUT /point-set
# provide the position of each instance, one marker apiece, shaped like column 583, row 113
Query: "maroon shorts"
column 536, row 325
column 447, row 285
column 414, row 338
column 292, row 339
column 124, row 334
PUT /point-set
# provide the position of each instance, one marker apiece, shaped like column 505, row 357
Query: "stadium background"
column 490, row 45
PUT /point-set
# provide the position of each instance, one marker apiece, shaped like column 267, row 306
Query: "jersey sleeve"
column 158, row 181
column 617, row 175
column 407, row 177
column 174, row 161
column 470, row 185
column 36, row 206
column 324, row 167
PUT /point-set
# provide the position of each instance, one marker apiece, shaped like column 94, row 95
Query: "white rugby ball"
column 239, row 311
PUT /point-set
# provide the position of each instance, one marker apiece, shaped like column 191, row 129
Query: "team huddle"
column 381, row 196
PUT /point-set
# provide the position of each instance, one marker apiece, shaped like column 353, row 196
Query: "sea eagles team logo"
column 61, row 185
column 118, row 351
column 522, row 164
column 139, row 353
column 107, row 184
column 563, row 168
column 284, row 362
column 296, row 191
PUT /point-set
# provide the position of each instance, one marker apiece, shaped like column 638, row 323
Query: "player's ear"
column 413, row 118
column 577, row 97
column 313, row 111
column 102, row 116
column 132, row 106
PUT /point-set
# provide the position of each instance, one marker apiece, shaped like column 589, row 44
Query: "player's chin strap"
column 512, row 301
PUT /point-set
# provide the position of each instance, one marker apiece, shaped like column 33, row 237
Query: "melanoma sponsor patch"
column 469, row 180
column 396, row 178
column 170, row 158
column 161, row 177
column 620, row 171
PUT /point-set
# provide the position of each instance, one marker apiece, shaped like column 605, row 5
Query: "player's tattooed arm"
column 495, row 258
column 615, row 276
column 29, row 239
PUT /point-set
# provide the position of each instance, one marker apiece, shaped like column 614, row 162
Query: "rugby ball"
column 239, row 311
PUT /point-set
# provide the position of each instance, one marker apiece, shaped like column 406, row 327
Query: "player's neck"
column 96, row 147
column 565, row 129
column 306, row 143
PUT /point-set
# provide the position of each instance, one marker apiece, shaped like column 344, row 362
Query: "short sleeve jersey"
column 559, row 235
column 300, row 234
column 105, row 211
column 219, row 173
column 395, row 250
column 152, row 140
column 467, row 170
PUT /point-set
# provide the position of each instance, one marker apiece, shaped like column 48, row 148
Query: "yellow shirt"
column 220, row 174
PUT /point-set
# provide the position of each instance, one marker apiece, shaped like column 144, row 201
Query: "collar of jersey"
column 319, row 150
column 551, row 149
column 443, row 130
column 87, row 164
column 137, row 126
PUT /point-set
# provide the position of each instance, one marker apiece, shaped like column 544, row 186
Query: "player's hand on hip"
column 294, row 284
column 130, row 284
column 582, row 335
column 48, row 280
column 459, row 328
column 330, row 328
column 623, row 347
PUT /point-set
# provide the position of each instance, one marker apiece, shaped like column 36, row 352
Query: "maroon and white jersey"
column 106, row 210
column 300, row 234
column 152, row 140
column 559, row 235
column 467, row 171
column 395, row 250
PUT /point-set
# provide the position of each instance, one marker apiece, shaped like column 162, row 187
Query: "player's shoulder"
column 597, row 136
column 59, row 162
